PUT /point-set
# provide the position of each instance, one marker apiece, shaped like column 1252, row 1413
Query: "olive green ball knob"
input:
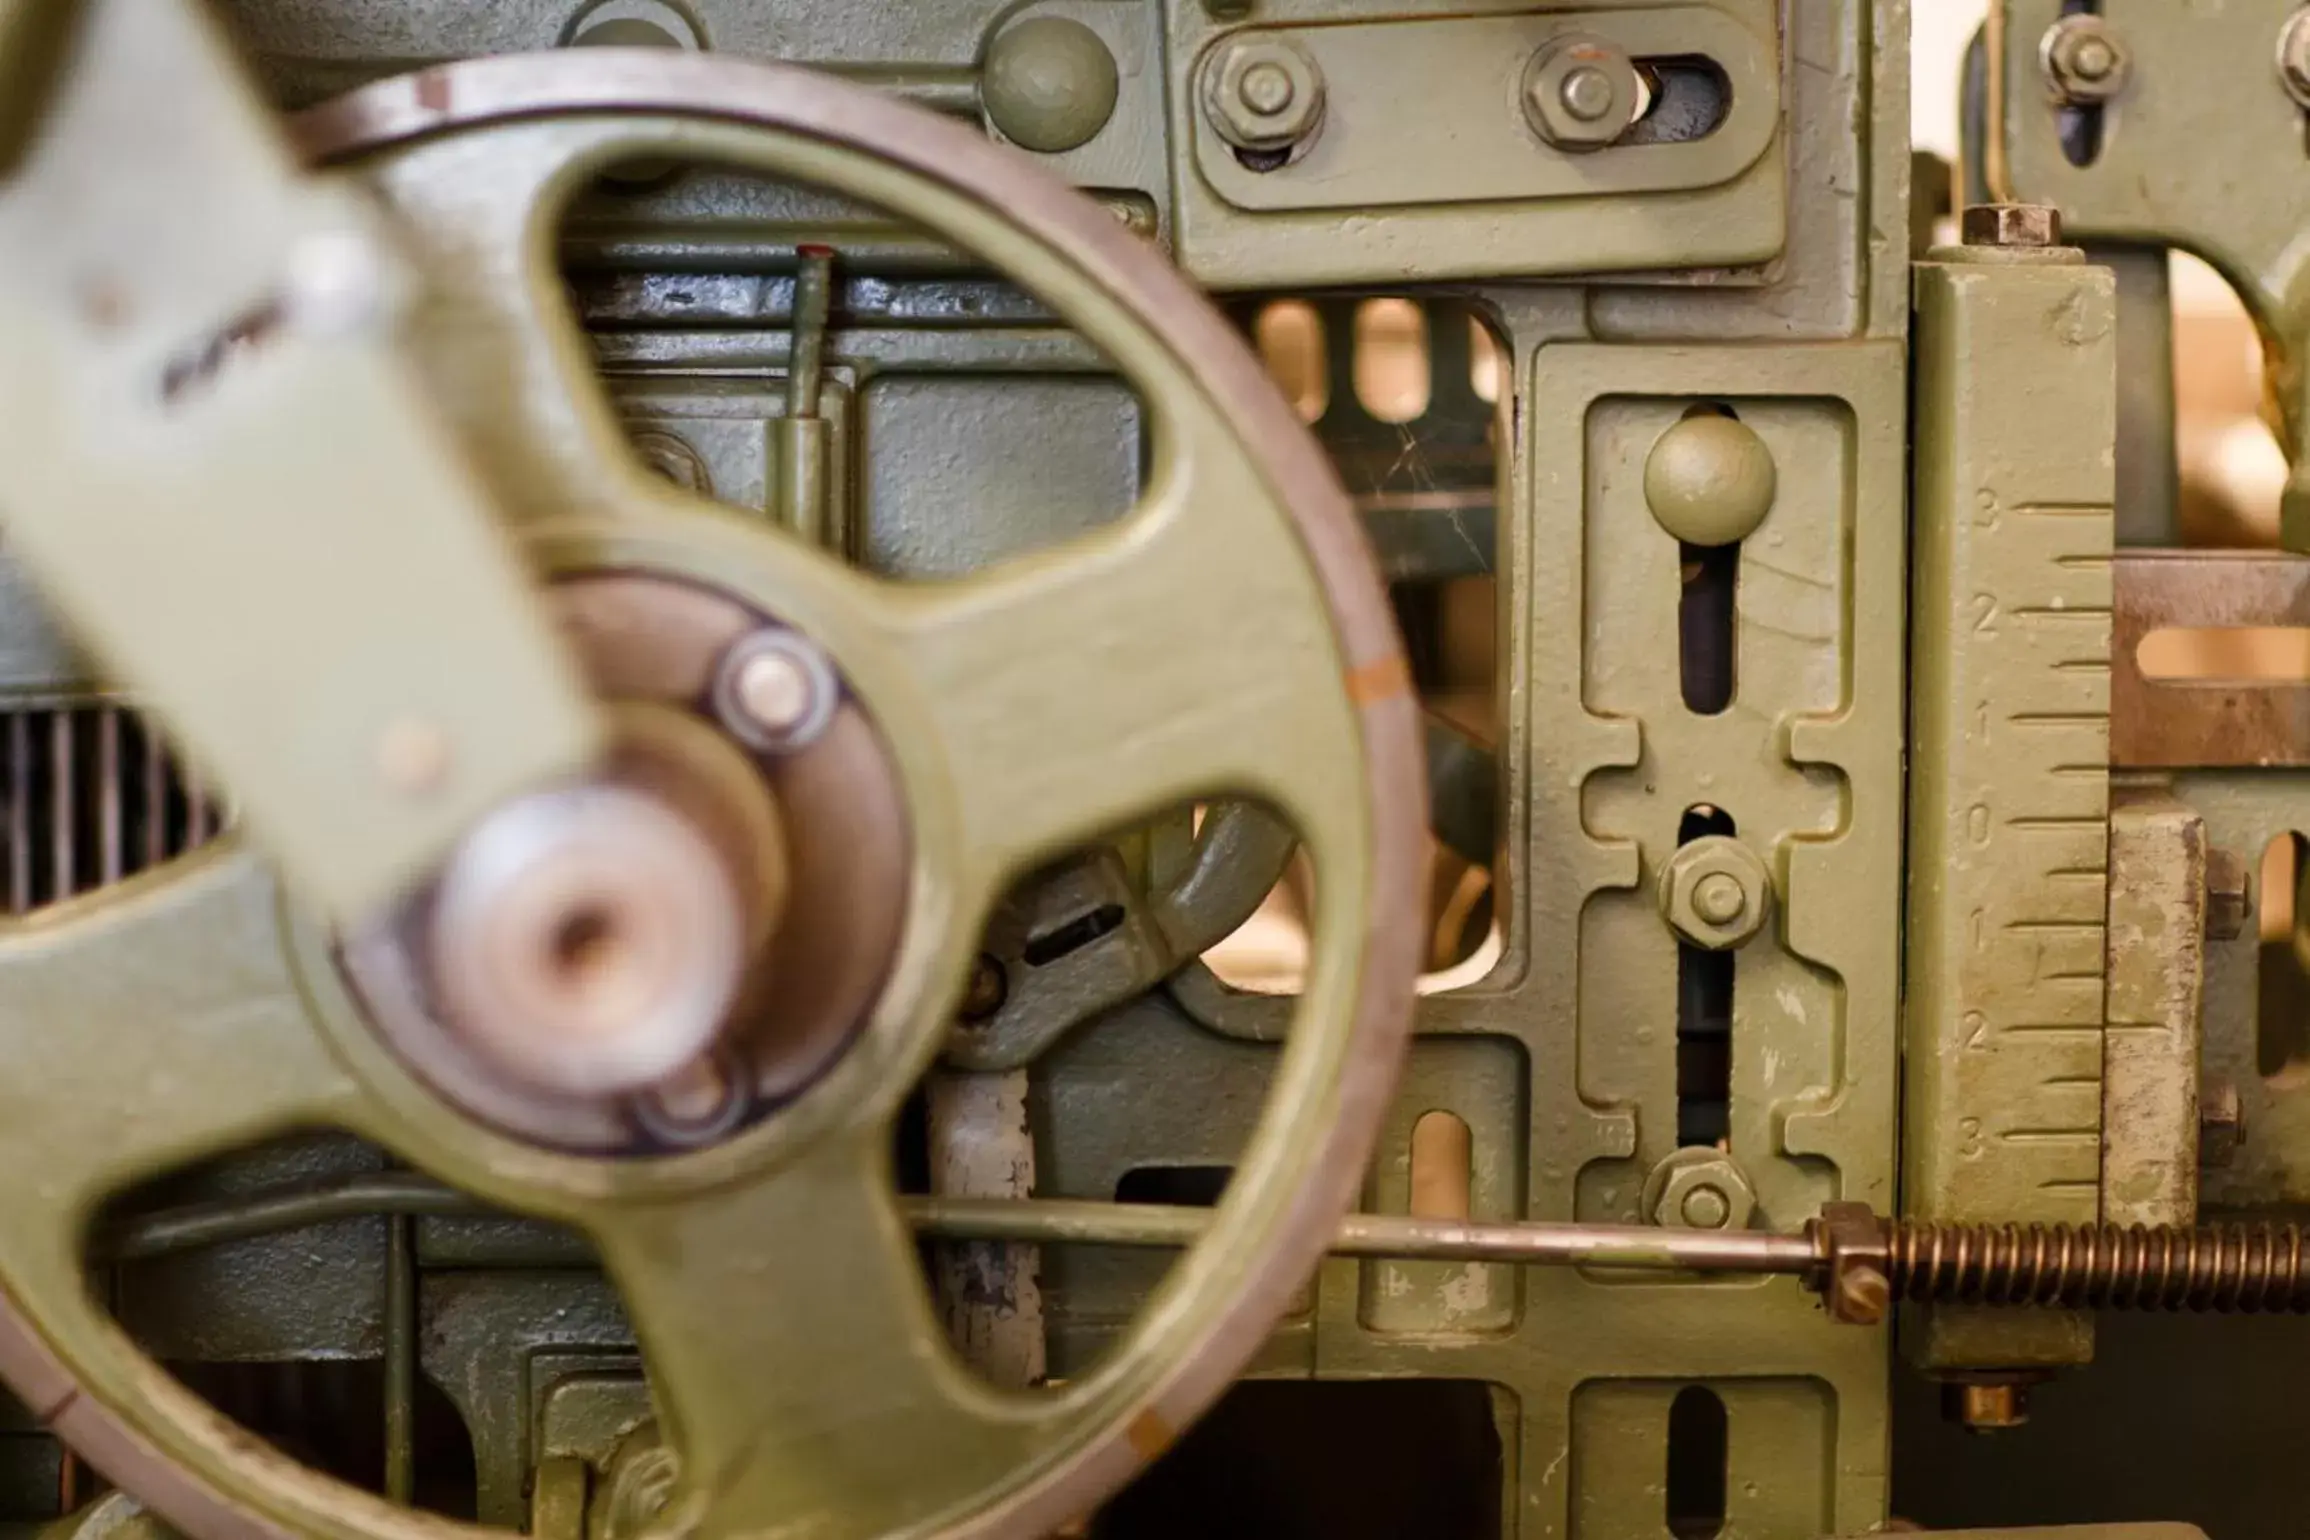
column 1710, row 480
column 1049, row 84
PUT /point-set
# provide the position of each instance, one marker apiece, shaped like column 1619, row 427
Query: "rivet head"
column 1710, row 480
column 1049, row 84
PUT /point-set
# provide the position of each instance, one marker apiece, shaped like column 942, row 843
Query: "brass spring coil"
column 2226, row 1268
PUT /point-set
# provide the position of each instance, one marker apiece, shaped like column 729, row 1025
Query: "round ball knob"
column 1049, row 84
column 1710, row 480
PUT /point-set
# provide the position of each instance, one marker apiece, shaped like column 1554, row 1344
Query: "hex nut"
column 2011, row 226
column 1699, row 1188
column 2221, row 1124
column 2229, row 895
column 2294, row 57
column 1716, row 892
column 1581, row 92
column 1988, row 1403
column 2085, row 62
column 1262, row 92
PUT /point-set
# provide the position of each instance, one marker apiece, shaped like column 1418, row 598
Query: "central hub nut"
column 591, row 940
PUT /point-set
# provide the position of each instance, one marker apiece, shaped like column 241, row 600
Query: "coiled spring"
column 2226, row 1268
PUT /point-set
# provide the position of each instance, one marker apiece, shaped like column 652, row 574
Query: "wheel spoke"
column 796, row 1364
column 1181, row 655
column 149, row 1024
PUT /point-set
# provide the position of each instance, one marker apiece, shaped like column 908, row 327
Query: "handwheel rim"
column 1143, row 284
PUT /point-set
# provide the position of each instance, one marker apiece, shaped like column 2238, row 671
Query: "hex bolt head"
column 1699, row 1188
column 2085, row 63
column 2011, row 226
column 1580, row 92
column 2294, row 57
column 1715, row 892
column 775, row 690
column 1262, row 92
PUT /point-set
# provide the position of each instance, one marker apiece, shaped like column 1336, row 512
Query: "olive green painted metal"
column 2175, row 161
column 901, row 410
column 2154, row 1038
column 203, row 456
column 2253, row 994
column 840, row 1404
column 1668, row 198
column 2009, row 783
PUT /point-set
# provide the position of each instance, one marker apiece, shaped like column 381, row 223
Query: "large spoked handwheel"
column 1229, row 638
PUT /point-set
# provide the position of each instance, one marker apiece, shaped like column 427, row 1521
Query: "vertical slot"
column 1705, row 620
column 1707, row 614
column 1697, row 1464
column 2282, row 1003
column 2079, row 126
column 1442, row 1166
column 1704, row 1015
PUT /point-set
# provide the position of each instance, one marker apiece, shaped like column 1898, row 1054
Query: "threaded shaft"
column 2243, row 1268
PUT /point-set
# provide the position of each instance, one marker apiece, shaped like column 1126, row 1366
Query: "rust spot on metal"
column 1379, row 680
column 1150, row 1435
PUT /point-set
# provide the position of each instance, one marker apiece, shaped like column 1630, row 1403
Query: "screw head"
column 1580, row 92
column 775, row 690
column 1863, row 1296
column 1262, row 92
column 2085, row 63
